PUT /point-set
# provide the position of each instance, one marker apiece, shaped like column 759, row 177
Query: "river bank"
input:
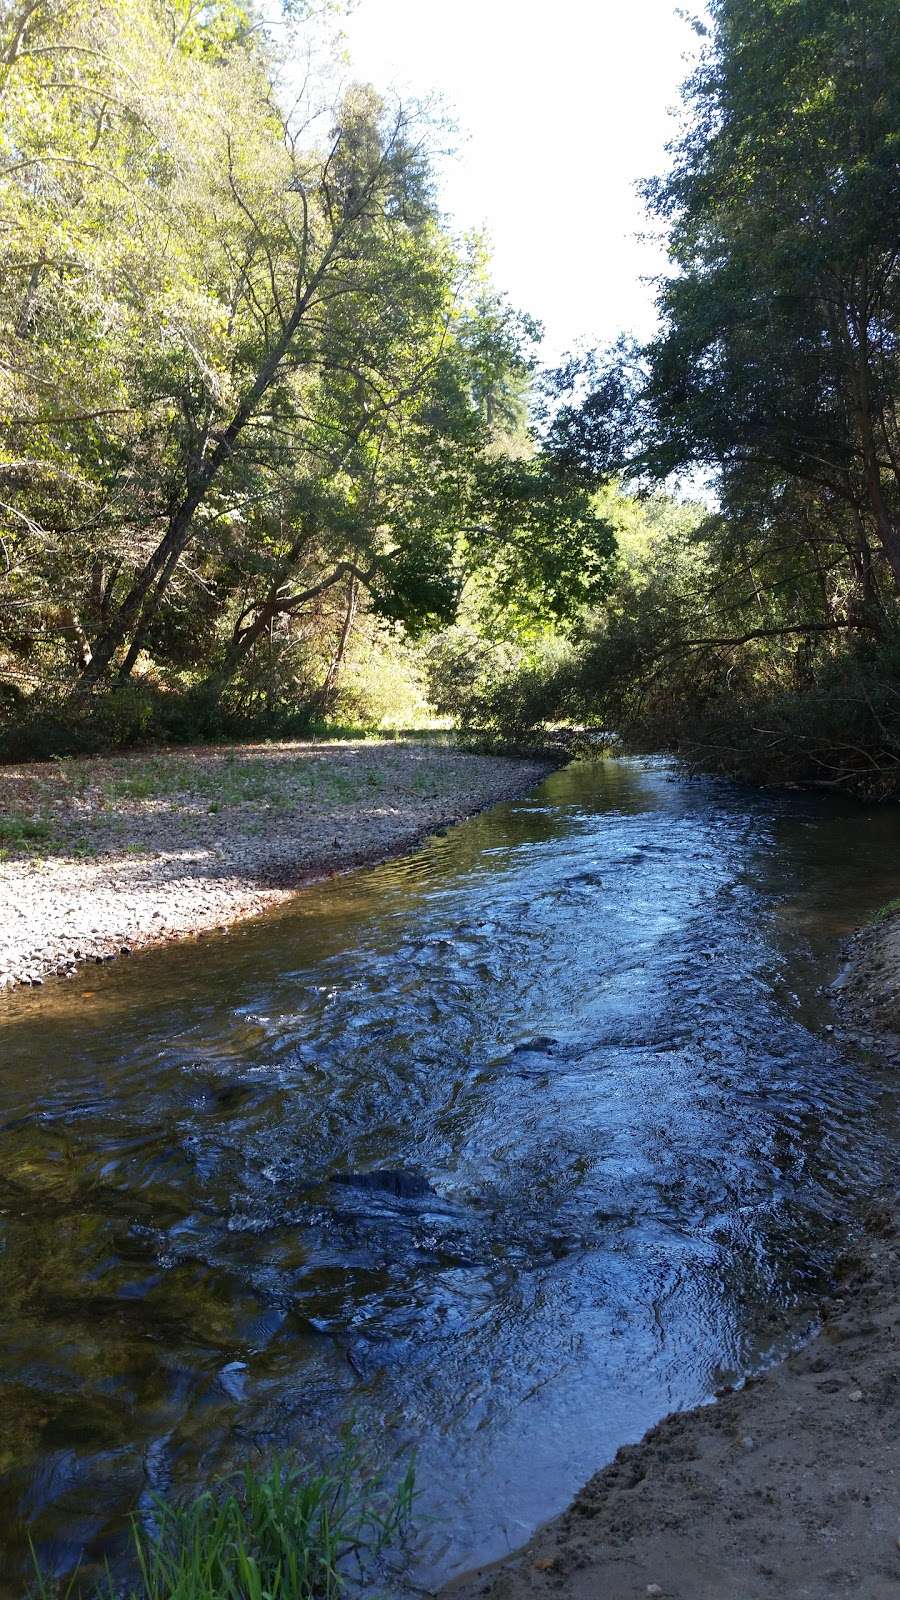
column 101, row 856
column 787, row 1488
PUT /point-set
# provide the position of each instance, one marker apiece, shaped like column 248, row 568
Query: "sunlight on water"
column 574, row 1038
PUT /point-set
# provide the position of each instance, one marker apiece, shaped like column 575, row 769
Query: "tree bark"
column 158, row 569
column 326, row 693
column 274, row 604
column 856, row 356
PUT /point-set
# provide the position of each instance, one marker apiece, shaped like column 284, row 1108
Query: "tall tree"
column 778, row 359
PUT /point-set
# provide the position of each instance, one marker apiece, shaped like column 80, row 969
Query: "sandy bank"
column 868, row 990
column 101, row 856
column 788, row 1488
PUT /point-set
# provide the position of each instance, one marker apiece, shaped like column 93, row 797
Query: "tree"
column 250, row 386
column 229, row 286
column 778, row 360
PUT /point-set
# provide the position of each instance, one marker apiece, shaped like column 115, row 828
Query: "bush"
column 500, row 691
column 134, row 714
column 790, row 710
column 827, row 714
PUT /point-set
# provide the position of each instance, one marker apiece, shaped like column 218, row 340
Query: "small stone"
column 748, row 1441
column 545, row 1563
column 855, row 1394
column 654, row 1588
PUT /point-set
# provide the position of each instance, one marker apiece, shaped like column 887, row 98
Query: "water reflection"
column 583, row 1021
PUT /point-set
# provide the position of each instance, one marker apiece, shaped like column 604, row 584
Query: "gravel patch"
column 99, row 856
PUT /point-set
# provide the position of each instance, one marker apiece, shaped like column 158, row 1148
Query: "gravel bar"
column 100, row 856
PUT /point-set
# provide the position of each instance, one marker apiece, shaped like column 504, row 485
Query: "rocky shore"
column 787, row 1489
column 100, row 856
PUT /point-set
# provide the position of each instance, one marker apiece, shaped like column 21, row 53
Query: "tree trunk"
column 148, row 612
column 160, row 566
column 857, row 359
column 164, row 559
column 327, row 691
column 269, row 608
column 888, row 533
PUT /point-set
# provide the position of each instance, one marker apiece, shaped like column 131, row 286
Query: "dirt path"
column 788, row 1489
column 101, row 856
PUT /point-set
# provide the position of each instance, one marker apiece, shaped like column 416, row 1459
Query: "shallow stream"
column 584, row 1035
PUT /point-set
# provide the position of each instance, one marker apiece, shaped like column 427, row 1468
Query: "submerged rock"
column 386, row 1180
column 539, row 1046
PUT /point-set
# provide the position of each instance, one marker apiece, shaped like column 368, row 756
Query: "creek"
column 580, row 1041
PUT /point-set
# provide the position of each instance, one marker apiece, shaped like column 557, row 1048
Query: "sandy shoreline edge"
column 788, row 1487
column 117, row 854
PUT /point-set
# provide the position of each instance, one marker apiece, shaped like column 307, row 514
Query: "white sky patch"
column 561, row 108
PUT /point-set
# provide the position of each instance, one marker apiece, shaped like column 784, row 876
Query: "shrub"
column 500, row 691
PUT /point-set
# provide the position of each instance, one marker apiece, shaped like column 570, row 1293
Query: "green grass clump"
column 886, row 911
column 19, row 834
column 272, row 1535
column 21, row 830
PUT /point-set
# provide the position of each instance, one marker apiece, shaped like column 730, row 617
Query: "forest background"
column 276, row 454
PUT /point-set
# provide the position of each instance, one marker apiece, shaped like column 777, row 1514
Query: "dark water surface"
column 590, row 1020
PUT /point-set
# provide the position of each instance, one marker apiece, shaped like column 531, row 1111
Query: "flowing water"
column 584, row 1032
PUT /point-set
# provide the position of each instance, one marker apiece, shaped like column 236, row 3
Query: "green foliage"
column 25, row 837
column 677, row 664
column 251, row 390
column 540, row 551
column 50, row 729
column 503, row 691
column 765, row 645
column 886, row 913
column 383, row 684
column 272, row 1535
column 840, row 728
column 22, row 830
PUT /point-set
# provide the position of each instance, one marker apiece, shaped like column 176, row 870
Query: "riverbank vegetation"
column 262, row 415
column 275, row 452
column 762, row 637
column 273, row 1532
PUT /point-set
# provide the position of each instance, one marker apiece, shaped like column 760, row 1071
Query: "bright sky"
column 562, row 106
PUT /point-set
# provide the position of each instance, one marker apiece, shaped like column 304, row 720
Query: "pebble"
column 855, row 1394
column 189, row 874
column 654, row 1588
